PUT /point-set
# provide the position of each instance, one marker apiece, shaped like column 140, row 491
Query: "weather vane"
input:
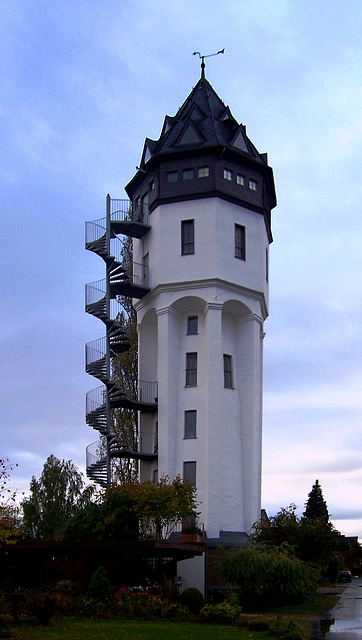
column 197, row 53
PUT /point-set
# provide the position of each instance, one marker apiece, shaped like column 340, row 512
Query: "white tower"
column 206, row 194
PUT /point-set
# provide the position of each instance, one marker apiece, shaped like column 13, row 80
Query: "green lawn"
column 77, row 629
column 67, row 628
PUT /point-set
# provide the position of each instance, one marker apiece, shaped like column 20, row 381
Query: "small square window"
column 192, row 325
column 191, row 370
column 228, row 372
column 187, row 174
column 227, row 174
column 203, row 172
column 172, row 176
column 240, row 179
column 240, row 243
column 190, row 424
column 253, row 185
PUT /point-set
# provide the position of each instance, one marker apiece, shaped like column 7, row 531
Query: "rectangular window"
column 227, row 174
column 240, row 246
column 152, row 185
column 187, row 237
column 155, row 476
column 267, row 265
column 187, row 174
column 189, row 473
column 190, row 424
column 191, row 370
column 253, row 185
column 203, row 172
column 192, row 325
column 240, row 179
column 172, row 176
column 228, row 372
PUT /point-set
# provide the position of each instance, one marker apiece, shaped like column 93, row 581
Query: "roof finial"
column 197, row 53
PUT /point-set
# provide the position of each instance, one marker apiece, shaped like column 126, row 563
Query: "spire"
column 197, row 53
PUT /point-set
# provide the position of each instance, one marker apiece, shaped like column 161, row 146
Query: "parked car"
column 344, row 576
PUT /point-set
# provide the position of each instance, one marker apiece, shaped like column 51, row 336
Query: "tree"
column 58, row 494
column 316, row 507
column 9, row 510
column 314, row 541
column 135, row 511
column 269, row 575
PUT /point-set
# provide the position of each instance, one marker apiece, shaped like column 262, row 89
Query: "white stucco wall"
column 229, row 296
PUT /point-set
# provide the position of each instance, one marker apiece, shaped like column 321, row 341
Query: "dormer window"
column 172, row 176
column 203, row 172
column 227, row 174
column 187, row 174
column 253, row 185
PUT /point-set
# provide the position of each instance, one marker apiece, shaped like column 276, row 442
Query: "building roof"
column 202, row 121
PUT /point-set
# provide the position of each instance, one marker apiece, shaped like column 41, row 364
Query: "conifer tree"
column 316, row 507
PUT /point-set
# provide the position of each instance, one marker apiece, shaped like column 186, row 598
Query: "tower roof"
column 202, row 121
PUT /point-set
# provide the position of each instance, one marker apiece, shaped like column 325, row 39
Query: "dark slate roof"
column 202, row 121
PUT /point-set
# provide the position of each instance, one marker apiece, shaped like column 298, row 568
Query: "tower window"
column 187, row 174
column 172, row 176
column 189, row 473
column 203, row 172
column 192, row 325
column 240, row 179
column 240, row 245
column 191, row 370
column 227, row 174
column 187, row 237
column 253, row 185
column 228, row 372
column 190, row 424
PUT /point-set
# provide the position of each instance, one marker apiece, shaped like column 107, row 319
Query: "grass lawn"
column 79, row 629
column 84, row 628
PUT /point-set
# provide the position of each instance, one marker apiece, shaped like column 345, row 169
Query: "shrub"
column 146, row 607
column 192, row 599
column 66, row 586
column 223, row 613
column 100, row 588
column 41, row 606
column 269, row 576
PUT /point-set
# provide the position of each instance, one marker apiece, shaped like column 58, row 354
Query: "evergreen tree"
column 316, row 507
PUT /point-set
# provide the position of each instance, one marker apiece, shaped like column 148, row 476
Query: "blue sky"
column 82, row 85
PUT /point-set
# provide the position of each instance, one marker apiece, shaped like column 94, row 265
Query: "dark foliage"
column 316, row 507
column 192, row 599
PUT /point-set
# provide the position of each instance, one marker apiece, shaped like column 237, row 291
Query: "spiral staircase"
column 101, row 301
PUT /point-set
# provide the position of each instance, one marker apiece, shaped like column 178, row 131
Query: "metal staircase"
column 101, row 301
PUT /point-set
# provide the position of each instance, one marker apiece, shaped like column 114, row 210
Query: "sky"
column 82, row 84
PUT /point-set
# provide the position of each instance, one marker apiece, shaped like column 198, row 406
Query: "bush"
column 100, row 588
column 269, row 576
column 223, row 613
column 66, row 586
column 143, row 606
column 41, row 606
column 192, row 599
